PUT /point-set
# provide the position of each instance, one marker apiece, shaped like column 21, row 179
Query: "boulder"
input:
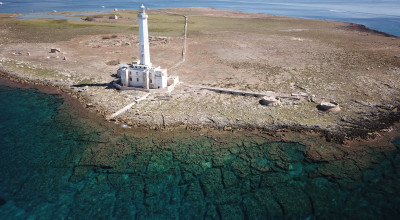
column 329, row 107
column 270, row 101
column 55, row 50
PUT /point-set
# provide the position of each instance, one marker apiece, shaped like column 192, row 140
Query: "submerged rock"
column 2, row 201
column 230, row 211
column 267, row 205
column 212, row 182
column 298, row 208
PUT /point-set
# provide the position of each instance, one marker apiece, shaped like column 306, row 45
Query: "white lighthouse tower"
column 144, row 37
column 143, row 74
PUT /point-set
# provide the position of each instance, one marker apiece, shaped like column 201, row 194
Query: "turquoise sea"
column 381, row 15
column 59, row 162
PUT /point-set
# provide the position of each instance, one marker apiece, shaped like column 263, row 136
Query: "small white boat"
column 103, row 6
column 1, row 3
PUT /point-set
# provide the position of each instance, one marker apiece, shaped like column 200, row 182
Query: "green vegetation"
column 93, row 17
column 53, row 23
column 109, row 37
column 250, row 25
column 53, row 30
column 50, row 30
column 33, row 71
column 87, row 81
column 164, row 24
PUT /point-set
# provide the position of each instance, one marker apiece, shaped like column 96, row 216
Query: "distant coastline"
column 384, row 17
column 84, row 14
column 80, row 15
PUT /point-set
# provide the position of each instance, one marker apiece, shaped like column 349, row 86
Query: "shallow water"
column 58, row 163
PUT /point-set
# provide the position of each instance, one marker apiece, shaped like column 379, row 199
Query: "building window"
column 137, row 79
column 151, row 81
column 130, row 78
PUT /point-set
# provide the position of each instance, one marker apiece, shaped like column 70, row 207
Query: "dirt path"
column 124, row 109
column 184, row 44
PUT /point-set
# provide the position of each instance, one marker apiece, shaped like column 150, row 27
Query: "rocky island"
column 264, row 75
column 226, row 62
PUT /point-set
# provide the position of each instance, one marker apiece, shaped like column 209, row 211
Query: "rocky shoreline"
column 115, row 172
column 364, row 129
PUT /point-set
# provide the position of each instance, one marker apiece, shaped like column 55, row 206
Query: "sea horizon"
column 382, row 16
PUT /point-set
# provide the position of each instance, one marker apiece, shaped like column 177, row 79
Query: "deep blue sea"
column 381, row 15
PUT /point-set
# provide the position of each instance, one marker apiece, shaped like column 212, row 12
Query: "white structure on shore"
column 144, row 74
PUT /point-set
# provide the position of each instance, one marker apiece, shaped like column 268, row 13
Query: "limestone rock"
column 270, row 101
column 266, row 200
column 329, row 107
column 212, row 182
column 294, row 208
column 229, row 179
